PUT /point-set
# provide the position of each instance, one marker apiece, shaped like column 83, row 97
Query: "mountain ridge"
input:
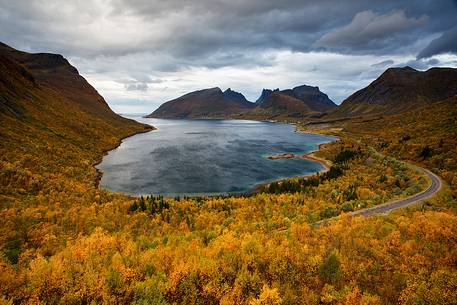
column 400, row 89
column 205, row 103
column 54, row 72
column 299, row 102
column 44, row 89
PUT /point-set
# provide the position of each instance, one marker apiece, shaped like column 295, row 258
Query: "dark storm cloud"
column 420, row 64
column 192, row 30
column 371, row 32
column 361, row 27
column 446, row 43
column 154, row 50
column 383, row 64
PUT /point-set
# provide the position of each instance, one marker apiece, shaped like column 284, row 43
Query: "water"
column 196, row 157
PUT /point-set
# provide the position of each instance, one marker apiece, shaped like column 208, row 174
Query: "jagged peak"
column 401, row 69
column 306, row 88
column 408, row 68
column 229, row 90
column 265, row 93
column 212, row 89
column 234, row 95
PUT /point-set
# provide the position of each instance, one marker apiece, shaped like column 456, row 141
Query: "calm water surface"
column 195, row 157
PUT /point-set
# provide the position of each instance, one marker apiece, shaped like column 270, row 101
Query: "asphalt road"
column 434, row 187
column 385, row 208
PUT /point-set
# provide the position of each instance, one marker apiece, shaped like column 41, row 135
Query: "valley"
column 64, row 241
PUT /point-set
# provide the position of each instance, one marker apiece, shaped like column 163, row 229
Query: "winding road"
column 385, row 208
column 434, row 188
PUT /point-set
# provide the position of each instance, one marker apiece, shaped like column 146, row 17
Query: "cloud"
column 368, row 30
column 136, row 87
column 421, row 64
column 150, row 51
column 446, row 43
column 189, row 31
column 138, row 81
column 289, row 69
column 383, row 64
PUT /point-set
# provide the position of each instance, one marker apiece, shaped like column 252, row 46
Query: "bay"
column 206, row 157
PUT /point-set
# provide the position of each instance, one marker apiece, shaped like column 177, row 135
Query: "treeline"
column 151, row 204
column 302, row 185
column 157, row 203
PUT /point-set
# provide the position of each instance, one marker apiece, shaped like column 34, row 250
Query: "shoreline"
column 326, row 164
column 98, row 174
column 308, row 156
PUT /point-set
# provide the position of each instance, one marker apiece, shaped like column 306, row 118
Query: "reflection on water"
column 206, row 157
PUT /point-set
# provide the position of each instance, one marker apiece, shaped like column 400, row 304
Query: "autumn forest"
column 64, row 240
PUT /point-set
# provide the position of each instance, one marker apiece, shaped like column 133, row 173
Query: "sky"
column 141, row 53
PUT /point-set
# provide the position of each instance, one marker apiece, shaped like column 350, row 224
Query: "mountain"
column 47, row 109
column 236, row 96
column 207, row 103
column 279, row 106
column 28, row 80
column 53, row 71
column 398, row 90
column 312, row 97
column 265, row 93
column 297, row 103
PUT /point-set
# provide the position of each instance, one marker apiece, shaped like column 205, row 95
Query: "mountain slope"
column 54, row 72
column 207, row 103
column 400, row 89
column 43, row 118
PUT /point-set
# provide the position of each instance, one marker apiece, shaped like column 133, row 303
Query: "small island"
column 310, row 156
column 283, row 156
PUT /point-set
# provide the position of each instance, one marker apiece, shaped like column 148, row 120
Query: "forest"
column 64, row 241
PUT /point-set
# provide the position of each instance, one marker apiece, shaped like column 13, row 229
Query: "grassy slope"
column 426, row 136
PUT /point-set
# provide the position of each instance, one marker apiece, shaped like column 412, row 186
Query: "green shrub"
column 330, row 270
